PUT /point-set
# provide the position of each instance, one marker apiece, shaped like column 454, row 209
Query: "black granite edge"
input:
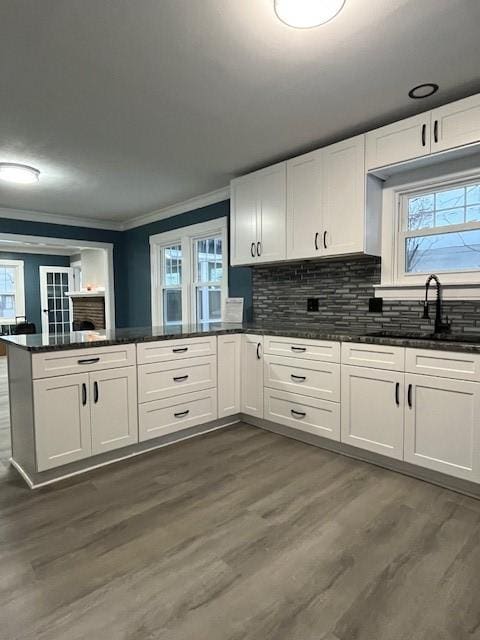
column 292, row 332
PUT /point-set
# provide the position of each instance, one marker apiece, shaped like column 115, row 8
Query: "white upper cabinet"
column 456, row 124
column 258, row 220
column 344, row 198
column 243, row 220
column 304, row 206
column 398, row 142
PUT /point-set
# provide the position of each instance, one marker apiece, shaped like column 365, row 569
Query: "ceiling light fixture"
column 18, row 173
column 423, row 91
column 304, row 14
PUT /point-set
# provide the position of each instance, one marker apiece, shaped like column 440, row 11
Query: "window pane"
column 473, row 194
column 7, row 279
column 443, row 252
column 209, row 260
column 450, row 198
column 172, row 266
column 172, row 306
column 449, row 216
column 420, row 212
column 7, row 306
column 209, row 301
column 473, row 213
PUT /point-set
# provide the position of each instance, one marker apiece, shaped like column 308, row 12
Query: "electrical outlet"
column 312, row 304
column 375, row 305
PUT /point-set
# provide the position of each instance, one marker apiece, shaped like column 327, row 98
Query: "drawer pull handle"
column 88, row 361
column 180, row 378
column 181, row 414
column 299, row 378
column 180, row 350
column 300, row 349
column 298, row 414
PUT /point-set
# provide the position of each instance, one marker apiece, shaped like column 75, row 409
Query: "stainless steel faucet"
column 440, row 325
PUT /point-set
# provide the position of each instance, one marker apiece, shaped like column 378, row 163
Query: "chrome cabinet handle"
column 324, row 239
column 299, row 378
column 397, row 394
column 95, row 392
column 300, row 349
column 424, row 135
column 259, row 249
column 252, row 250
column 298, row 414
column 180, row 378
column 316, row 241
column 180, row 414
column 84, row 394
column 88, row 361
column 259, row 352
column 180, row 349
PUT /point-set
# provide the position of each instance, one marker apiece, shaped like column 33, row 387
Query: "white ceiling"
column 128, row 106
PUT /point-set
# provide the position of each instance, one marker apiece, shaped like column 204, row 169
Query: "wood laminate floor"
column 240, row 534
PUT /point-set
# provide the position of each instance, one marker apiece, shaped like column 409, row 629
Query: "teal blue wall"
column 31, row 274
column 131, row 258
column 137, row 248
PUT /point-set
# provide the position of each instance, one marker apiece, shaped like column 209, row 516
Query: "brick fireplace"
column 91, row 308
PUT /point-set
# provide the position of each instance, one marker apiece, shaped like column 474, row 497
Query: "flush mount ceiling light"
column 18, row 173
column 423, row 91
column 304, row 14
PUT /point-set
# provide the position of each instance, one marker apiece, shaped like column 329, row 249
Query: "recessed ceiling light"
column 304, row 14
column 18, row 173
column 423, row 91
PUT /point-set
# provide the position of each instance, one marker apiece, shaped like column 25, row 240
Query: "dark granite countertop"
column 82, row 339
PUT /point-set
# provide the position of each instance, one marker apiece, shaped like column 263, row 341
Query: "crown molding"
column 53, row 218
column 197, row 202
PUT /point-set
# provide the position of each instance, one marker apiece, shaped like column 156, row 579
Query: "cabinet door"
column 272, row 213
column 243, row 223
column 252, row 375
column 228, row 374
column 304, row 206
column 372, row 410
column 442, row 425
column 62, row 420
column 456, row 124
column 398, row 142
column 113, row 402
column 344, row 197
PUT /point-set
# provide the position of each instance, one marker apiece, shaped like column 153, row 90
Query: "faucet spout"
column 441, row 326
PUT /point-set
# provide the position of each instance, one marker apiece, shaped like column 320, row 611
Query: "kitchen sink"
column 472, row 338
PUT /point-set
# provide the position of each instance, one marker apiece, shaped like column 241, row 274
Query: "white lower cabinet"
column 372, row 410
column 113, row 402
column 80, row 415
column 252, row 375
column 312, row 415
column 62, row 420
column 442, row 425
column 229, row 354
column 162, row 417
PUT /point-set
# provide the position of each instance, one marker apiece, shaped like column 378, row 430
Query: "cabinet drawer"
column 319, row 417
column 166, row 416
column 318, row 379
column 167, row 379
column 377, row 356
column 443, row 364
column 171, row 350
column 323, row 350
column 60, row 363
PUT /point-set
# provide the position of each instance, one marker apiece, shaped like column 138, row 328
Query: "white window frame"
column 19, row 289
column 186, row 237
column 395, row 283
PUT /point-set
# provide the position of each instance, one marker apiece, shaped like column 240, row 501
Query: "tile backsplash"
column 343, row 287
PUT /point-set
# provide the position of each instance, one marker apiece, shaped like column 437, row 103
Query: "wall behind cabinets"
column 343, row 288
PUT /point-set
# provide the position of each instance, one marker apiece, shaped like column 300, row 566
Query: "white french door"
column 55, row 282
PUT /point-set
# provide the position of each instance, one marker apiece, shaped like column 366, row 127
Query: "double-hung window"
column 12, row 293
column 189, row 274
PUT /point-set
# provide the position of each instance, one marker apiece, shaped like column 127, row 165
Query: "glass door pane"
column 57, row 302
